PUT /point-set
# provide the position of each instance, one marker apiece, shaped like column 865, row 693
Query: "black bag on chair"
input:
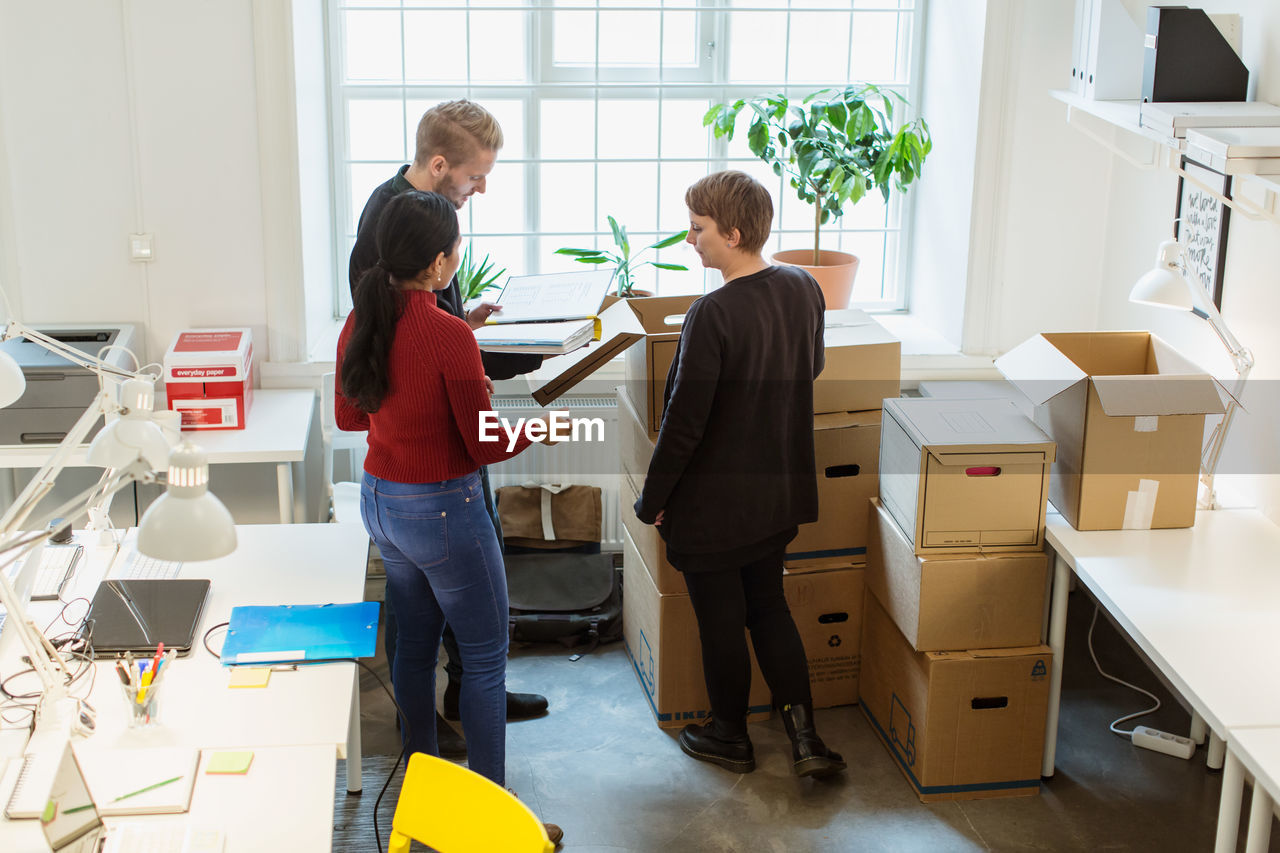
column 564, row 597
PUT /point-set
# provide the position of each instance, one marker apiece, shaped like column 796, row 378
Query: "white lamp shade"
column 187, row 529
column 12, row 383
column 187, row 523
column 1164, row 285
column 124, row 440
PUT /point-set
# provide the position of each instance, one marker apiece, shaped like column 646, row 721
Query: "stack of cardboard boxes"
column 824, row 577
column 954, row 678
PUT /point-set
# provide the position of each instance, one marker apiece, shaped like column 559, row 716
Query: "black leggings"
column 725, row 602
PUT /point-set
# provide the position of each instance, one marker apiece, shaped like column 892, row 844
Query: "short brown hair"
column 456, row 130
column 734, row 200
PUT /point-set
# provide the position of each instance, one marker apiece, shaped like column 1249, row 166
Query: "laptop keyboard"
column 139, row 566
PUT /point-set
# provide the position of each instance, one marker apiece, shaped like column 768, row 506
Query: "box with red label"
column 208, row 377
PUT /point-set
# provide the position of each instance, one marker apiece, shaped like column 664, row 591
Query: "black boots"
column 722, row 745
column 809, row 754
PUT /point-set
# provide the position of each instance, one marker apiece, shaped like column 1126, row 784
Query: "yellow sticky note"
column 230, row 763
column 249, row 676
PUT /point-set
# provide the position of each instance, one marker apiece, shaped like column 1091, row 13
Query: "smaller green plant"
column 476, row 277
column 624, row 262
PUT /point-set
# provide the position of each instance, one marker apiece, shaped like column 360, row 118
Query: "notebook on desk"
column 72, row 823
column 138, row 615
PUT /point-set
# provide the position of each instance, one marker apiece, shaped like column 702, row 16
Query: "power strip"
column 1158, row 741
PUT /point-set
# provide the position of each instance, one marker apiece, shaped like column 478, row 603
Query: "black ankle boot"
column 809, row 755
column 725, row 746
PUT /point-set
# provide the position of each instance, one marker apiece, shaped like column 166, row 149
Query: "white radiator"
column 587, row 463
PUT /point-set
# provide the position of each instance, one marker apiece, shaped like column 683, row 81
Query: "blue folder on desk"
column 289, row 633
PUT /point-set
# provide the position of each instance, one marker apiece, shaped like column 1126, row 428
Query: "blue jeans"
column 443, row 563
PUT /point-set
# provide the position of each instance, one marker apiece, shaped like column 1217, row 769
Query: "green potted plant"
column 625, row 264
column 836, row 146
column 476, row 277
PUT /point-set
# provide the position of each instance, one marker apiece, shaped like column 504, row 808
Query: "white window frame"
column 709, row 79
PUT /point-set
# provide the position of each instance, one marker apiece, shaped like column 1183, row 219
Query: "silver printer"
column 58, row 391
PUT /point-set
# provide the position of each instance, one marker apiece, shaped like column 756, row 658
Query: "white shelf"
column 1120, row 114
column 1167, row 152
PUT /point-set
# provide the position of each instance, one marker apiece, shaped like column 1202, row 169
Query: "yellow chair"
column 448, row 807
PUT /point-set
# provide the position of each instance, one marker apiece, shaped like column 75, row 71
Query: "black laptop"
column 138, row 615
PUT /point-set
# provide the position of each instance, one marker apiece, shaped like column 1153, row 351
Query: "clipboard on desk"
column 295, row 633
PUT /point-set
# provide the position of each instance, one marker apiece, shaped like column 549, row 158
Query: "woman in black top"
column 732, row 475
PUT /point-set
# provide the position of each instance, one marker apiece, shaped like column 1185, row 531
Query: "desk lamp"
column 132, row 447
column 1167, row 286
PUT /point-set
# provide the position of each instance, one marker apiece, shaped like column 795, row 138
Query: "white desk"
column 257, row 812
column 1203, row 604
column 1258, row 749
column 276, row 431
column 316, row 706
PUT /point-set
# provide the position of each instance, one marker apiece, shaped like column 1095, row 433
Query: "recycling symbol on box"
column 834, row 641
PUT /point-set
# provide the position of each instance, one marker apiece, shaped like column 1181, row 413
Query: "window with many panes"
column 601, row 104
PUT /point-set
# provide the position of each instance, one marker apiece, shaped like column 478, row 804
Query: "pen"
column 142, row 689
column 168, row 659
column 148, row 788
column 124, row 676
column 155, row 662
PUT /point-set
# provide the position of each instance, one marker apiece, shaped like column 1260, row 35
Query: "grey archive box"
column 964, row 475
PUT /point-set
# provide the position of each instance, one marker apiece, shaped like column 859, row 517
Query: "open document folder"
column 551, row 314
column 545, row 338
column 289, row 633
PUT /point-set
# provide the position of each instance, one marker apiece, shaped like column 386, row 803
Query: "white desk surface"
column 1203, row 603
column 273, row 564
column 258, row 812
column 276, row 430
column 1259, row 751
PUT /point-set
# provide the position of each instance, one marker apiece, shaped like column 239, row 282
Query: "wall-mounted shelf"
column 1166, row 153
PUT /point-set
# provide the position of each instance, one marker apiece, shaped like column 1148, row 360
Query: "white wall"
column 1082, row 225
column 122, row 116
column 132, row 116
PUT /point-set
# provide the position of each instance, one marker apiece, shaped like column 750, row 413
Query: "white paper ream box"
column 1127, row 412
column 208, row 376
column 964, row 475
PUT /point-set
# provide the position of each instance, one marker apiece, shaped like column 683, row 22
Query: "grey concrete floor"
column 599, row 766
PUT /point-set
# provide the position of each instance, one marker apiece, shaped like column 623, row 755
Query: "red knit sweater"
column 428, row 426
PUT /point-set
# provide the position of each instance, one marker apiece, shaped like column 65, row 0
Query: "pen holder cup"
column 141, row 713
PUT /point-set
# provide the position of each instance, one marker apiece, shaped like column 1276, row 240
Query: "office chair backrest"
column 451, row 809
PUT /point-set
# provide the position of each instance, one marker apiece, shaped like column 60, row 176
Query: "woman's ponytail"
column 413, row 230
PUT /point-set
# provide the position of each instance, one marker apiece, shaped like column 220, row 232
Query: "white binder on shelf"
column 1114, row 53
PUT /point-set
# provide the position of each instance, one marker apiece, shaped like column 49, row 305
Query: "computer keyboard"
column 138, row 566
column 56, row 565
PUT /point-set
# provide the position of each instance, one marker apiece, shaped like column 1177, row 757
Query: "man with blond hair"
column 456, row 148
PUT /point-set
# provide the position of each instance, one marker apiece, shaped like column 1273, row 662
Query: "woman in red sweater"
column 410, row 374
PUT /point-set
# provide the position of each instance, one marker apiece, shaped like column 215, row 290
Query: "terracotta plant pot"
column 834, row 273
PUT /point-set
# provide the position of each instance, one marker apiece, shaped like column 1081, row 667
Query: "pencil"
column 148, row 788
